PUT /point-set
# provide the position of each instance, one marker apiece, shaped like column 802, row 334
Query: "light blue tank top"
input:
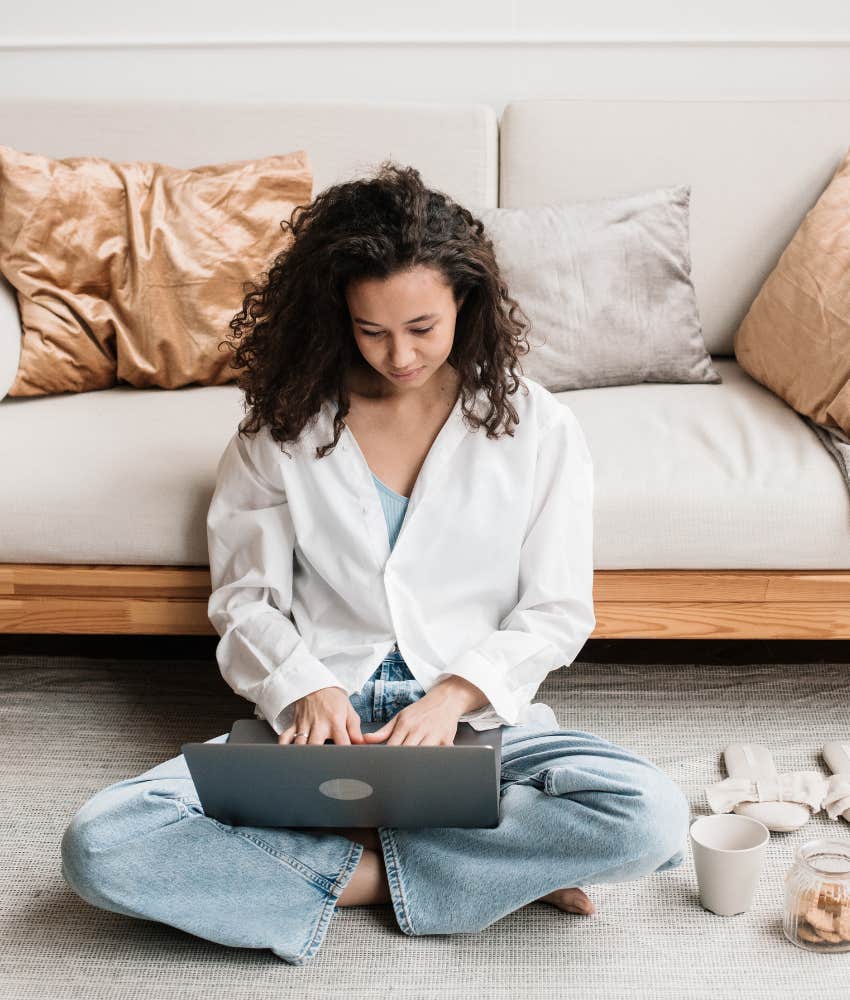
column 394, row 505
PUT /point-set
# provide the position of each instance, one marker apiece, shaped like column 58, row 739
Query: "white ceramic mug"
column 729, row 852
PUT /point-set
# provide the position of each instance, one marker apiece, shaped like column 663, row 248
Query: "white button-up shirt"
column 490, row 579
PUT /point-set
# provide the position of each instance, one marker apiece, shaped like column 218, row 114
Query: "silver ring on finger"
column 301, row 734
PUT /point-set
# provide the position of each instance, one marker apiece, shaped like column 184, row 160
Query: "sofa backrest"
column 455, row 147
column 755, row 167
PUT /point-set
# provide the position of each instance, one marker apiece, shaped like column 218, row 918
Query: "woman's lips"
column 412, row 374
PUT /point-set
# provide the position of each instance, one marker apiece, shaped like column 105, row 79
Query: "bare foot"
column 572, row 900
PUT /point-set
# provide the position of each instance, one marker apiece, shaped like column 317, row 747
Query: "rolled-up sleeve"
column 554, row 615
column 251, row 542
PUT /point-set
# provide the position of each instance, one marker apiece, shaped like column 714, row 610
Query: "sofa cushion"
column 717, row 476
column 133, row 270
column 795, row 338
column 454, row 145
column 123, row 476
column 606, row 285
column 721, row 476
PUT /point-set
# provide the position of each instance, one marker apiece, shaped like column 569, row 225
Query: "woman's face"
column 404, row 323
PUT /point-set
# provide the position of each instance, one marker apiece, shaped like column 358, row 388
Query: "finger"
column 397, row 738
column 340, row 735
column 381, row 733
column 318, row 734
column 378, row 733
column 303, row 734
column 286, row 736
column 354, row 731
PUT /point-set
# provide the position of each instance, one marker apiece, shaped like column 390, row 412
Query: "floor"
column 80, row 713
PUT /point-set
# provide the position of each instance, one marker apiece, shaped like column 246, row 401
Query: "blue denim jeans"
column 575, row 809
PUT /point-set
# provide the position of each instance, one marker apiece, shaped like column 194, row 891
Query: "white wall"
column 490, row 51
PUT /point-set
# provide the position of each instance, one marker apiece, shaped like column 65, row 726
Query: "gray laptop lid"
column 253, row 781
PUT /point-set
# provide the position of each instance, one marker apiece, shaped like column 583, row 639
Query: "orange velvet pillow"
column 795, row 339
column 133, row 271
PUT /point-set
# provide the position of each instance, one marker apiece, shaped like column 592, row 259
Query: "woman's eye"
column 377, row 333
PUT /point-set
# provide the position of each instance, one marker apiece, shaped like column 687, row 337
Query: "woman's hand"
column 430, row 721
column 321, row 714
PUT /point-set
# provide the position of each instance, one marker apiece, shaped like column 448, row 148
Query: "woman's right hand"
column 323, row 714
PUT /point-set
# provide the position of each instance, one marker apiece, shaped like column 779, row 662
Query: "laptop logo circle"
column 346, row 788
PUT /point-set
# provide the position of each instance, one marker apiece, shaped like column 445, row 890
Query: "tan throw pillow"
column 795, row 338
column 133, row 271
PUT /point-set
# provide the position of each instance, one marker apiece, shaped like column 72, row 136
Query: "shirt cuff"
column 287, row 684
column 477, row 669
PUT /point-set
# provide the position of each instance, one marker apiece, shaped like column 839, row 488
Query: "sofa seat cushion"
column 122, row 476
column 714, row 476
column 721, row 476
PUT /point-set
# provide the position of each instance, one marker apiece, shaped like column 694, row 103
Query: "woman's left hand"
column 429, row 721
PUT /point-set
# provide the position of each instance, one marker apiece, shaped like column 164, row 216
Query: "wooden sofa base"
column 641, row 604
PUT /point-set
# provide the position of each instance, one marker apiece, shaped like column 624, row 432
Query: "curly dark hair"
column 292, row 339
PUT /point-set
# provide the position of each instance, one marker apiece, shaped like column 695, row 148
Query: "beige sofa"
column 718, row 512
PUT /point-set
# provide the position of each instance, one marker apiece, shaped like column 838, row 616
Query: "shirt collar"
column 436, row 461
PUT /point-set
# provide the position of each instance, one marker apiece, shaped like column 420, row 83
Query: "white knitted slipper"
column 783, row 802
column 836, row 753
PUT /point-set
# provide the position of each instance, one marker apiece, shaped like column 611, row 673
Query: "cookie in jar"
column 817, row 896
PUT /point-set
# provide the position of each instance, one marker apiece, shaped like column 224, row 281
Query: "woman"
column 396, row 535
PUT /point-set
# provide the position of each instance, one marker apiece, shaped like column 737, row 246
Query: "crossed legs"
column 575, row 810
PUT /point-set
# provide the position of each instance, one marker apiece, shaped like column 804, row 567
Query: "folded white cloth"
column 837, row 797
column 806, row 787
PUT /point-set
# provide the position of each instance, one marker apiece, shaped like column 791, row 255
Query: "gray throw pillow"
column 607, row 287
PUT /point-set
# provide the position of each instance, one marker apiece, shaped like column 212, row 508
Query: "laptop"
column 251, row 780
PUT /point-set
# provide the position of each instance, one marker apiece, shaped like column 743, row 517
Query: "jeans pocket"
column 581, row 779
column 510, row 777
column 567, row 779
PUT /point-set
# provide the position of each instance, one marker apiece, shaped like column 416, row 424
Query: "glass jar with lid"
column 817, row 896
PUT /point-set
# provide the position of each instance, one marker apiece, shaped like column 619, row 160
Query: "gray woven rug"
column 72, row 725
